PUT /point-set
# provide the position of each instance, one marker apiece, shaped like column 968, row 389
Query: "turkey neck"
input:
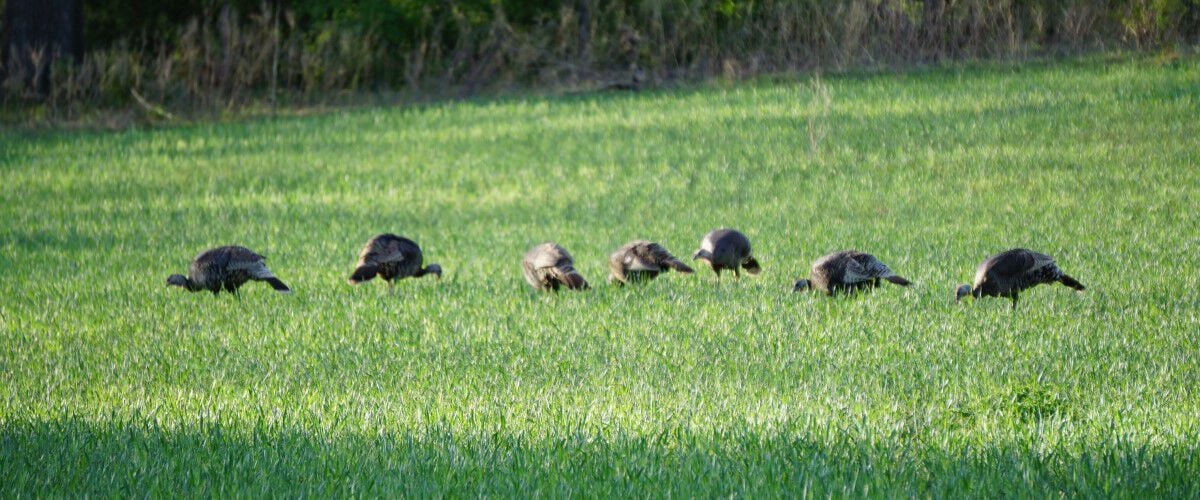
column 192, row 286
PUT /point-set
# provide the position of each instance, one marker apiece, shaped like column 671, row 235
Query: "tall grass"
column 225, row 61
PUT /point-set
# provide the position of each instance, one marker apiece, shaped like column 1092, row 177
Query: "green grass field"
column 112, row 384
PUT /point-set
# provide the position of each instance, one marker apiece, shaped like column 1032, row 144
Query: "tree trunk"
column 933, row 29
column 36, row 33
column 584, row 10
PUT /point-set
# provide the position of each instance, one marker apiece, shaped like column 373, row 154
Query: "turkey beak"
column 961, row 292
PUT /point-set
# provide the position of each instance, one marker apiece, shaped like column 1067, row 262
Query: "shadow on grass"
column 73, row 458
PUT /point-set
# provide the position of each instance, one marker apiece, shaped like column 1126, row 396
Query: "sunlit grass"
column 113, row 384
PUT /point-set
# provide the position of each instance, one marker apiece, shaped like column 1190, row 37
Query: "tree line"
column 68, row 56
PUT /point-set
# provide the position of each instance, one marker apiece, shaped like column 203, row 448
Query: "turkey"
column 1006, row 274
column 641, row 260
column 392, row 258
column 727, row 249
column 226, row 268
column 549, row 266
column 847, row 271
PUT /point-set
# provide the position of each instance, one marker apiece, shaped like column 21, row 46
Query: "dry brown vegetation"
column 228, row 61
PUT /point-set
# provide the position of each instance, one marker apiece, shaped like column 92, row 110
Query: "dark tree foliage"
column 220, row 54
column 35, row 34
column 152, row 21
column 149, row 21
column 401, row 22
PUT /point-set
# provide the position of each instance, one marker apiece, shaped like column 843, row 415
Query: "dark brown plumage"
column 848, row 271
column 641, row 260
column 392, row 258
column 226, row 268
column 1007, row 273
column 727, row 249
column 548, row 266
